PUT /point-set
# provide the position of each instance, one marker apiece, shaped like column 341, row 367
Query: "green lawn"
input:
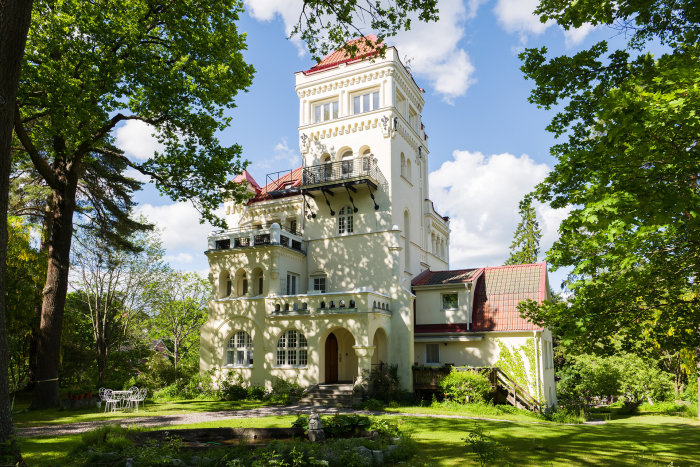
column 500, row 412
column 636, row 440
column 23, row 417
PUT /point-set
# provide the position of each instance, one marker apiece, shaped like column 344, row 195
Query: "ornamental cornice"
column 346, row 128
column 345, row 82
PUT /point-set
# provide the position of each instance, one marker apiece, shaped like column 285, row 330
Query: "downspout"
column 538, row 387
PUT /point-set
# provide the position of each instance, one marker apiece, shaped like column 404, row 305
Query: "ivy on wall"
column 512, row 362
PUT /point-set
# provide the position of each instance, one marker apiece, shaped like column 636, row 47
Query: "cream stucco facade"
column 313, row 281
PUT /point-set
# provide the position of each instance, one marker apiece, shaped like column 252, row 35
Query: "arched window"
column 407, row 240
column 403, row 165
column 239, row 350
column 291, row 349
column 408, row 169
column 346, row 164
column 327, row 166
column 345, row 220
column 258, row 282
column 225, row 285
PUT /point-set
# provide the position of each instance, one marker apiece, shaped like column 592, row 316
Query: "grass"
column 502, row 412
column 23, row 417
column 636, row 440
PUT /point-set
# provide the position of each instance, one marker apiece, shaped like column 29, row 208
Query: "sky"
column 488, row 145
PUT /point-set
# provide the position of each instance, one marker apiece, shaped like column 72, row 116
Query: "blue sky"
column 488, row 145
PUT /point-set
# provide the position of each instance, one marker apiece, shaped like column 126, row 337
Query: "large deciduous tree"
column 526, row 239
column 629, row 168
column 14, row 23
column 91, row 66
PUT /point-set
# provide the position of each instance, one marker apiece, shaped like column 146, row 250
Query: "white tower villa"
column 342, row 263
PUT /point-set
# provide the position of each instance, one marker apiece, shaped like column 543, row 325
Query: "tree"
column 112, row 285
column 526, row 240
column 629, row 169
column 179, row 304
column 14, row 23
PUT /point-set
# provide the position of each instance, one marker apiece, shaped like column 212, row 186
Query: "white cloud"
column 283, row 158
column 481, row 195
column 516, row 16
column 136, row 139
column 287, row 10
column 179, row 226
column 433, row 49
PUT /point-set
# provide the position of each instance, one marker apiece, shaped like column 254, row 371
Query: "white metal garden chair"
column 136, row 398
column 111, row 402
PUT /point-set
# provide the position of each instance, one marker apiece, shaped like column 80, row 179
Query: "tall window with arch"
column 239, row 350
column 225, row 285
column 408, row 168
column 407, row 240
column 346, row 163
column 403, row 165
column 292, row 349
column 327, row 166
column 345, row 220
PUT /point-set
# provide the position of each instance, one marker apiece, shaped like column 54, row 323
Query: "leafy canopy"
column 628, row 166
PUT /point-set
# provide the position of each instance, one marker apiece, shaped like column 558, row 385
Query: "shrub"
column 466, row 386
column 383, row 383
column 284, row 392
column 256, row 392
column 487, row 449
column 373, row 405
column 342, row 426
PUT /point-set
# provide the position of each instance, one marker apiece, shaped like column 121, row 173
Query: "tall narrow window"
column 292, row 284
column 239, row 351
column 432, row 353
column 345, row 220
column 292, row 349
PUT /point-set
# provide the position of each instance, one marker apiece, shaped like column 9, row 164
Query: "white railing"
column 328, row 303
column 242, row 238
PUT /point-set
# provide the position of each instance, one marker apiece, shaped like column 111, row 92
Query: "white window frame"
column 442, row 301
column 427, row 354
column 315, row 286
column 293, row 280
column 345, row 221
column 239, row 344
column 333, row 108
column 365, row 101
column 292, row 350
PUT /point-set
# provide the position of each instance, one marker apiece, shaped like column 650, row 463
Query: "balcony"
column 334, row 303
column 245, row 238
column 350, row 172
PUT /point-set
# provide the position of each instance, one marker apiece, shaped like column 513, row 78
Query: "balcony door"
column 331, row 359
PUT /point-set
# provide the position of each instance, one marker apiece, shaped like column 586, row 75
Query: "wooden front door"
column 331, row 359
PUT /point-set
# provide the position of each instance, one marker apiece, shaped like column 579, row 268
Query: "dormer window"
column 325, row 111
column 365, row 102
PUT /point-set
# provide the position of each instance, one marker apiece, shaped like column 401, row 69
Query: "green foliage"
column 592, row 377
column 256, row 392
column 383, row 383
column 628, row 170
column 386, row 428
column 466, row 386
column 526, row 239
column 285, row 392
column 513, row 363
column 373, row 405
column 343, row 426
column 486, row 449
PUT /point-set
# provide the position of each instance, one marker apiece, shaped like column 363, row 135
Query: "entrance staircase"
column 328, row 394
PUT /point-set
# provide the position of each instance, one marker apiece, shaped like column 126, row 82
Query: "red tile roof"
column 341, row 55
column 500, row 290
column 455, row 276
column 291, row 180
column 497, row 293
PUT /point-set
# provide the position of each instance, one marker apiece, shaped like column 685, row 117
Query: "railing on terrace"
column 350, row 302
column 241, row 238
column 361, row 168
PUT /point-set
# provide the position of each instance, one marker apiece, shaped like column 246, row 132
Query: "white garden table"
column 123, row 397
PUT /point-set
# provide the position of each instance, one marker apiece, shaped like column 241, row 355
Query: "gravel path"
column 199, row 417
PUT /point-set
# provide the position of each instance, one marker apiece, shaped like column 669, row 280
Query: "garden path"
column 199, row 417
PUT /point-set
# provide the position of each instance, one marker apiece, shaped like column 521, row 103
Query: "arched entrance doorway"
column 340, row 358
column 379, row 342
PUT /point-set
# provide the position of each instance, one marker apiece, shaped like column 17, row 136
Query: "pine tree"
column 526, row 240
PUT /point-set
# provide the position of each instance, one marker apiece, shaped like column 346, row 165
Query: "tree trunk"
column 55, row 290
column 14, row 25
column 101, row 361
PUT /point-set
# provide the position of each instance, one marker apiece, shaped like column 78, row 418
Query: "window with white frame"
column 239, row 351
column 292, row 283
column 292, row 349
column 365, row 102
column 325, row 111
column 432, row 353
column 345, row 220
column 320, row 284
column 449, row 301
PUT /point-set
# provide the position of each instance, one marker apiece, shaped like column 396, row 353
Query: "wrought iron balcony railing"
column 358, row 169
column 241, row 238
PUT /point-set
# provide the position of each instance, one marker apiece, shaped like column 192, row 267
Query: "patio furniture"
column 139, row 396
column 111, row 401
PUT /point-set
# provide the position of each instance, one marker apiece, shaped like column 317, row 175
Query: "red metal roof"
column 454, row 276
column 341, row 55
column 498, row 291
column 275, row 189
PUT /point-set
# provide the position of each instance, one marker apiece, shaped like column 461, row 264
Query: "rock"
column 378, row 457
column 195, row 460
column 364, row 452
column 316, row 436
column 178, row 462
column 391, row 448
column 129, row 462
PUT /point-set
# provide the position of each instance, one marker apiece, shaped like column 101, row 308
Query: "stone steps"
column 329, row 395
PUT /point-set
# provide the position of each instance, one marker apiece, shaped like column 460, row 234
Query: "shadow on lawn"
column 623, row 443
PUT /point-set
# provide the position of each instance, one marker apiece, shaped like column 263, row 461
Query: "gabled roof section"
column 499, row 291
column 341, row 56
column 456, row 276
column 245, row 176
column 281, row 187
